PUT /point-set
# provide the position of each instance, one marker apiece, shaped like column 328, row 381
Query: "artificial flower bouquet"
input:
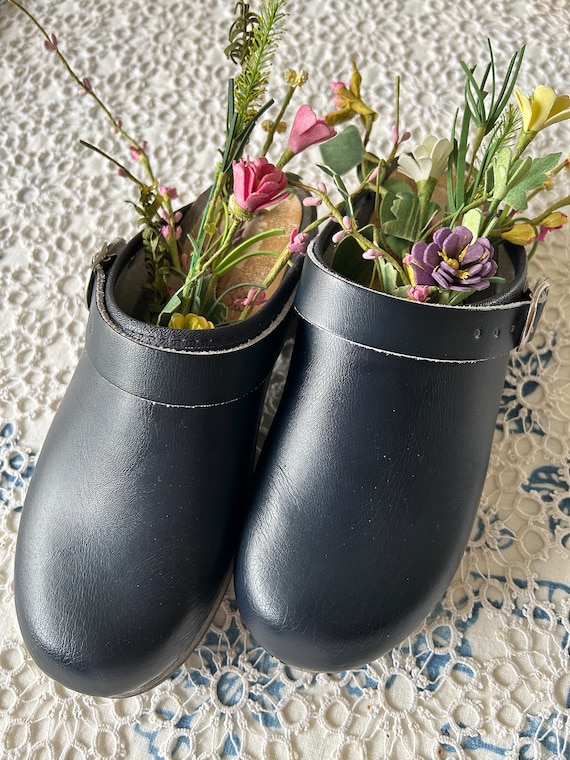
column 188, row 285
column 442, row 208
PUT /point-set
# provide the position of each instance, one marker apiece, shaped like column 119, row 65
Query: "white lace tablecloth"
column 487, row 675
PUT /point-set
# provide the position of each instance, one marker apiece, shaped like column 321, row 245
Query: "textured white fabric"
column 487, row 674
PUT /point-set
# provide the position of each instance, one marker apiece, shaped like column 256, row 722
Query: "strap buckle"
column 537, row 301
column 108, row 252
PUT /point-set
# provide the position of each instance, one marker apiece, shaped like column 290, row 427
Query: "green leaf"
column 501, row 167
column 398, row 186
column 343, row 152
column 473, row 220
column 348, row 261
column 401, row 215
column 535, row 177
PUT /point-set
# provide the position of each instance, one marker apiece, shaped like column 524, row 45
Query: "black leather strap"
column 419, row 330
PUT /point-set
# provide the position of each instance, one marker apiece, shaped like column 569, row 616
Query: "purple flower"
column 452, row 260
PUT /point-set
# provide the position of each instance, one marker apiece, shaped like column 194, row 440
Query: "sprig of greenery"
column 251, row 82
column 241, row 33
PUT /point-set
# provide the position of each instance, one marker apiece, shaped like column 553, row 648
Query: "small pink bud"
column 51, row 44
column 116, row 126
column 395, row 134
column 312, row 201
column 177, row 232
column 172, row 192
column 405, row 136
column 298, row 241
column 253, row 298
column 121, row 172
column 371, row 254
column 347, row 221
column 338, row 236
column 373, row 176
column 336, row 86
column 178, row 216
column 87, row 87
column 322, row 187
column 135, row 151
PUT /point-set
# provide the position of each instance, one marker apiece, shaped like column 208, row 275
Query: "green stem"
column 76, row 78
column 478, row 139
column 335, row 212
column 523, row 142
column 271, row 134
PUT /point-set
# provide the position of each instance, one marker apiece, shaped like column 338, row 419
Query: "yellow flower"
column 189, row 322
column 554, row 221
column 543, row 108
column 348, row 101
column 521, row 234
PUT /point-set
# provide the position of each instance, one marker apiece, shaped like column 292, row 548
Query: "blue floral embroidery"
column 16, row 467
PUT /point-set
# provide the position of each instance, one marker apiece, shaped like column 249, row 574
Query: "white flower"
column 428, row 159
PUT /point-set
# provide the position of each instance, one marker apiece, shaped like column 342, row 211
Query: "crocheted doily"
column 487, row 674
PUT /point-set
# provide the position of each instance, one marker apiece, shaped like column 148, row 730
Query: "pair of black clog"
column 359, row 509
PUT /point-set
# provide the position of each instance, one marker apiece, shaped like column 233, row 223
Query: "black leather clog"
column 369, row 481
column 132, row 516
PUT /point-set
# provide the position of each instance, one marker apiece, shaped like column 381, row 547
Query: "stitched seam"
column 175, row 406
column 395, row 353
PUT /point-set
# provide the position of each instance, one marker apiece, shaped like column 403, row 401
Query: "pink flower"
column 419, row 293
column 258, row 184
column 172, row 192
column 51, row 44
column 307, row 130
column 298, row 242
column 136, row 152
column 338, row 86
column 254, row 297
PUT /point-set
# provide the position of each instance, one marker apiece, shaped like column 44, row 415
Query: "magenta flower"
column 254, row 297
column 307, row 130
column 51, row 44
column 419, row 293
column 298, row 242
column 258, row 184
column 452, row 260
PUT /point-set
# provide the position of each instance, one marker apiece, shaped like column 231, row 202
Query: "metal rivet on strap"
column 539, row 295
